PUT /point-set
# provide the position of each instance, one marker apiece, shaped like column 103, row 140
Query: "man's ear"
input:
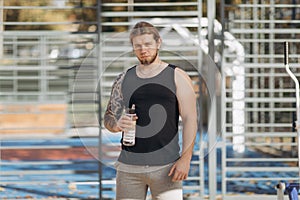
column 159, row 43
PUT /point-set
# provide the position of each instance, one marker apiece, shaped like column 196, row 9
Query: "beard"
column 148, row 61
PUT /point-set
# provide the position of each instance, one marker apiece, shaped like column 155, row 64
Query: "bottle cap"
column 132, row 109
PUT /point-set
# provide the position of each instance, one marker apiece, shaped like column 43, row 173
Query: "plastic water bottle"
column 129, row 135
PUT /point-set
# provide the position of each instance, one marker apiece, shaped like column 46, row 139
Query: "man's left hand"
column 180, row 170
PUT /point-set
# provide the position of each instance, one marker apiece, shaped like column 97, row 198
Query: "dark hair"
column 142, row 28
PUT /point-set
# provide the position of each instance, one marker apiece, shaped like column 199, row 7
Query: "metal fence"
column 57, row 77
column 267, row 99
column 46, row 104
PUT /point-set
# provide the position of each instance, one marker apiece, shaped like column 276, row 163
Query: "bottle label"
column 129, row 135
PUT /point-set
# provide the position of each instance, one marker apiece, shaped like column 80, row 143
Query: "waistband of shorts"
column 139, row 168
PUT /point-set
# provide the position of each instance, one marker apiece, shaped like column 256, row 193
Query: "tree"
column 33, row 15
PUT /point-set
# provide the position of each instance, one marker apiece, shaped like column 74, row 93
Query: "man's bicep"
column 185, row 93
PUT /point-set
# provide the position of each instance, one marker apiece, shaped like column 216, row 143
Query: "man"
column 160, row 92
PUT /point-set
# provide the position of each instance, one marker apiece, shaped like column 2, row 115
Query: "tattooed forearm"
column 115, row 105
column 110, row 122
column 111, row 117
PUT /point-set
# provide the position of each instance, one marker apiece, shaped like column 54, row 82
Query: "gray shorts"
column 134, row 186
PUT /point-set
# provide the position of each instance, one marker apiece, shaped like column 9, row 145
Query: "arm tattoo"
column 115, row 105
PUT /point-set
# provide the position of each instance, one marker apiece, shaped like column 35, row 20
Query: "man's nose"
column 144, row 47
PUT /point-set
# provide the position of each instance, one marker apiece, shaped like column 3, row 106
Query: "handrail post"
column 297, row 122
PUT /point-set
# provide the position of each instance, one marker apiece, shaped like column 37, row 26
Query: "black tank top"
column 158, row 113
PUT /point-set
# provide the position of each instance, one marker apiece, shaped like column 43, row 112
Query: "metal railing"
column 269, row 99
column 42, row 154
column 64, row 67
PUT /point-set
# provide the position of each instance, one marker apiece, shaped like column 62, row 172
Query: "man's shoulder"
column 121, row 76
column 131, row 68
column 181, row 74
column 119, row 79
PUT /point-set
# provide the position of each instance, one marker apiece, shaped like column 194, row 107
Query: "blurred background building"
column 58, row 60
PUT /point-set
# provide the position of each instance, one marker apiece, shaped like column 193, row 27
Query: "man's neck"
column 146, row 71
